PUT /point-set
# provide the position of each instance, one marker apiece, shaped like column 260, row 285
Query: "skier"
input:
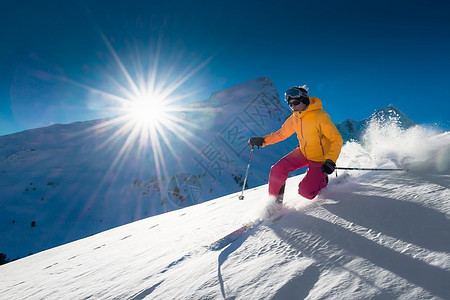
column 319, row 146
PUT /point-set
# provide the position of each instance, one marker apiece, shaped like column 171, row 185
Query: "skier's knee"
column 307, row 191
column 275, row 170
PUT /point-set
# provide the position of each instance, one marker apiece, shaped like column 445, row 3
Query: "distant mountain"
column 354, row 130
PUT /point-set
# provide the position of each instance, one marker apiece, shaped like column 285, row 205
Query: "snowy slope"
column 369, row 235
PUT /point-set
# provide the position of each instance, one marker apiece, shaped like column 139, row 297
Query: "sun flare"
column 148, row 110
column 151, row 102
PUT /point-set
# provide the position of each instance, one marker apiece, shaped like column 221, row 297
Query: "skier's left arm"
column 329, row 130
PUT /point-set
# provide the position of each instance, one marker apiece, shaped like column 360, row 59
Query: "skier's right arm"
column 286, row 130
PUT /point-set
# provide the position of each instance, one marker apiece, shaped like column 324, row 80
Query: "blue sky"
column 356, row 56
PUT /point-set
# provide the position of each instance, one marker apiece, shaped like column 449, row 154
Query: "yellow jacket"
column 318, row 137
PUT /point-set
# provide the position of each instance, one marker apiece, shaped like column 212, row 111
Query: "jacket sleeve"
column 329, row 130
column 286, row 130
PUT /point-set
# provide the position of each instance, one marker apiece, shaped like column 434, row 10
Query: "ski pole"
column 368, row 169
column 241, row 197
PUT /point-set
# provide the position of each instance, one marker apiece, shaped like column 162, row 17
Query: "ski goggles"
column 294, row 94
column 295, row 102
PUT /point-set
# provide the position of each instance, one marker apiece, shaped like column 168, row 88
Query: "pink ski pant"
column 312, row 183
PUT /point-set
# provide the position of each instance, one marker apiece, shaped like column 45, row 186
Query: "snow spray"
column 387, row 144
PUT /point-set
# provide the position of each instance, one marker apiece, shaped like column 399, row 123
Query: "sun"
column 148, row 110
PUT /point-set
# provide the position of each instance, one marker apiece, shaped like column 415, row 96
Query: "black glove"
column 256, row 141
column 328, row 166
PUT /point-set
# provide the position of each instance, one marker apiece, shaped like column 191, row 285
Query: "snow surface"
column 368, row 235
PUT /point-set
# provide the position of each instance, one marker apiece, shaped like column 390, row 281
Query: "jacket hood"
column 314, row 104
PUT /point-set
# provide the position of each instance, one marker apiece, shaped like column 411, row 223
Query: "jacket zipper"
column 301, row 132
column 321, row 146
column 301, row 127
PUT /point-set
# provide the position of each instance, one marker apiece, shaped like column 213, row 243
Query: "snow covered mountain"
column 368, row 235
column 65, row 182
column 354, row 130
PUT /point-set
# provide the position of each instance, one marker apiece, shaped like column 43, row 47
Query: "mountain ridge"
column 354, row 130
